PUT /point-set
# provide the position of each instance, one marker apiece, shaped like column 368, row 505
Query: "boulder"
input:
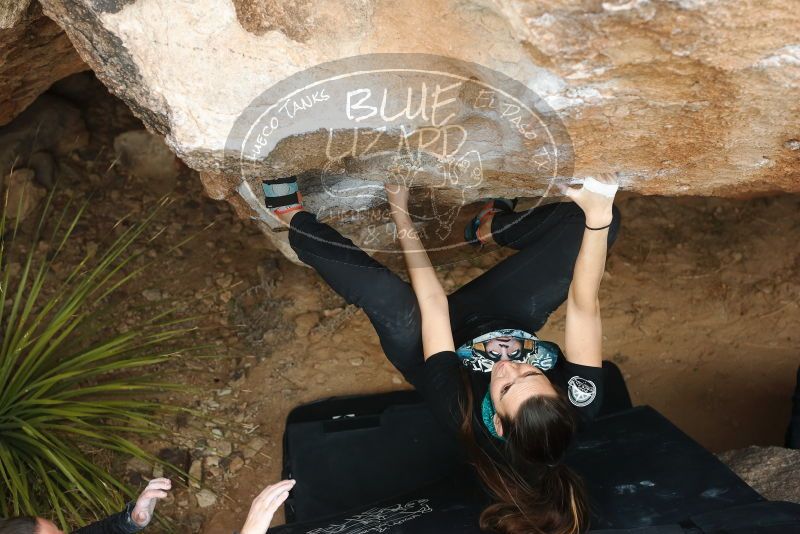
column 11, row 13
column 34, row 53
column 771, row 471
column 22, row 194
column 680, row 97
column 49, row 127
column 146, row 156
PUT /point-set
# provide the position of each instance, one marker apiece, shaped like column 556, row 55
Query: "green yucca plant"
column 68, row 401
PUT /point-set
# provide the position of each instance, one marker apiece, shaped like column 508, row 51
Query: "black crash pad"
column 641, row 470
column 357, row 461
column 349, row 451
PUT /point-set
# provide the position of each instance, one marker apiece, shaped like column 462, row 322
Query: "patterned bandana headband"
column 534, row 351
column 487, row 414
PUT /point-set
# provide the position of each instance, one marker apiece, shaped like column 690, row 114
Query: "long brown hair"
column 532, row 489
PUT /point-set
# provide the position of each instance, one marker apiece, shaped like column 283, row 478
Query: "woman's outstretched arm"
column 437, row 335
column 584, row 333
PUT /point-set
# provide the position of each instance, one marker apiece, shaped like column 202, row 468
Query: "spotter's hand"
column 156, row 489
column 265, row 505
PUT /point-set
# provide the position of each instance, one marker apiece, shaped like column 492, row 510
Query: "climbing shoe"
column 281, row 195
column 495, row 205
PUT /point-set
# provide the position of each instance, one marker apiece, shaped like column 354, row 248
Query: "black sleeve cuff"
column 441, row 356
column 130, row 525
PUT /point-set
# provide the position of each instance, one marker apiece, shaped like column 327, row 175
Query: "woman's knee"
column 404, row 313
column 390, row 304
column 399, row 330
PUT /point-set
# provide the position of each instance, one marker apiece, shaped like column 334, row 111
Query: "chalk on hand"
column 607, row 190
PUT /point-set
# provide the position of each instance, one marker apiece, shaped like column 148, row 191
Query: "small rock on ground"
column 206, row 498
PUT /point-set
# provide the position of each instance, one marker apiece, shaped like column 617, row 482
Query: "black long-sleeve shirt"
column 119, row 523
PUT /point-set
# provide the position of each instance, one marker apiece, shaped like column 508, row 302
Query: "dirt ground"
column 699, row 302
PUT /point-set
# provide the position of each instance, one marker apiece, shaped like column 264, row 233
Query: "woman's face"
column 513, row 383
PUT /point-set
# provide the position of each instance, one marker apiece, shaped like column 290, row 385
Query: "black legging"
column 526, row 287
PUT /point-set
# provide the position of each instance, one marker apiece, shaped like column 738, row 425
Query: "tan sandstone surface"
column 679, row 96
column 34, row 53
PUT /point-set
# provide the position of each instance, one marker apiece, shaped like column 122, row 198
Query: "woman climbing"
column 516, row 400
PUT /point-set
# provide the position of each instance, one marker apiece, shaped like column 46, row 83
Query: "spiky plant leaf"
column 64, row 396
